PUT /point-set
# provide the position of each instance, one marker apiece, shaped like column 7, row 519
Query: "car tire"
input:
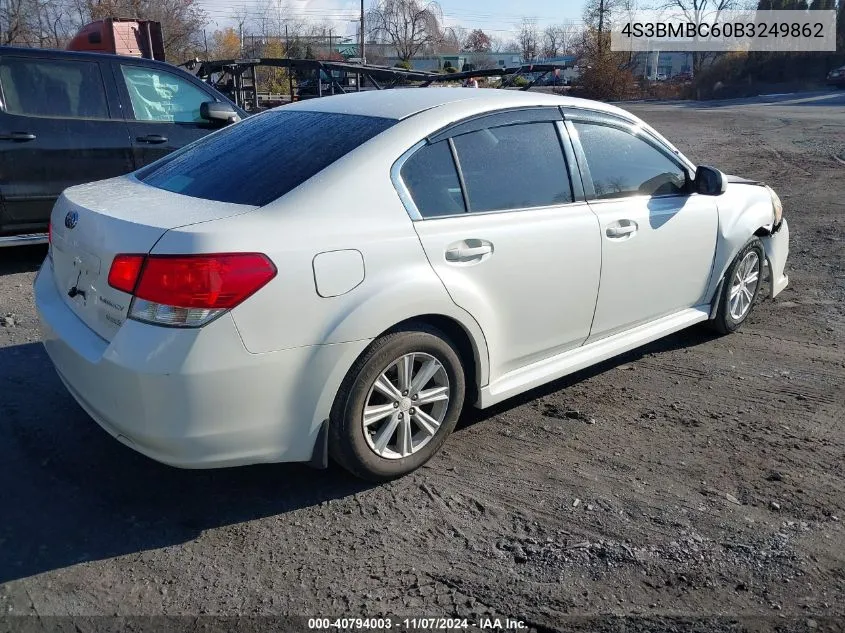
column 400, row 435
column 740, row 288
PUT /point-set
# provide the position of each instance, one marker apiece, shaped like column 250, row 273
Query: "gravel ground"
column 695, row 484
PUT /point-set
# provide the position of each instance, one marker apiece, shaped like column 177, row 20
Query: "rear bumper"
column 776, row 246
column 194, row 398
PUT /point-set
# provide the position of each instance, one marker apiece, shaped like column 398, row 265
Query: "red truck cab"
column 121, row 36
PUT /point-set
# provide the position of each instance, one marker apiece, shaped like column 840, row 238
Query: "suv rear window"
column 263, row 157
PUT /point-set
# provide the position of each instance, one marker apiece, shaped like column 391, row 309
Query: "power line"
column 248, row 10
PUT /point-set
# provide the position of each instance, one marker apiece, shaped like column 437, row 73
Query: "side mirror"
column 218, row 112
column 709, row 181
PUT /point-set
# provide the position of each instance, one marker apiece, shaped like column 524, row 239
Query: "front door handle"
column 471, row 250
column 621, row 229
column 151, row 138
column 19, row 137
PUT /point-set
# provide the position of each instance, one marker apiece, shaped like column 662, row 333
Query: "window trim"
column 637, row 132
column 452, row 130
column 399, row 182
column 582, row 115
column 461, row 181
column 48, row 60
column 498, row 118
column 576, row 182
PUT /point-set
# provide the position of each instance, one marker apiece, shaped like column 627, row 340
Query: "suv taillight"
column 188, row 290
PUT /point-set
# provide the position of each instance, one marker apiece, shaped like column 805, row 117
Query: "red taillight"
column 212, row 282
column 124, row 272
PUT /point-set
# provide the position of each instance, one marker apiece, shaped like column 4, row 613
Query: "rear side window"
column 53, row 88
column 432, row 179
column 514, row 167
column 263, row 157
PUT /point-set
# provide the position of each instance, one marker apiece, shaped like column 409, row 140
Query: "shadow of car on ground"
column 70, row 493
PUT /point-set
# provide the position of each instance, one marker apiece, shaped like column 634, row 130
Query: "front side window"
column 513, row 167
column 53, row 88
column 432, row 179
column 157, row 95
column 622, row 164
column 263, row 157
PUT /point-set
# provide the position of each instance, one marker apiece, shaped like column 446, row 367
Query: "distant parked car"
column 70, row 117
column 342, row 276
column 836, row 77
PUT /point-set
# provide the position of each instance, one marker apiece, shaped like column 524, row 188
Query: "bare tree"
column 597, row 17
column 695, row 11
column 559, row 39
column 552, row 41
column 570, row 34
column 15, row 24
column 503, row 45
column 409, row 26
column 57, row 23
column 454, row 37
column 272, row 17
column 47, row 23
column 529, row 39
column 452, row 40
column 240, row 16
column 605, row 74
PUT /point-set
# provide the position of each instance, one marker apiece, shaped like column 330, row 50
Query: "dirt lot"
column 696, row 484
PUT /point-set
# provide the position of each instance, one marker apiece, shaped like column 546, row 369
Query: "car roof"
column 90, row 55
column 401, row 103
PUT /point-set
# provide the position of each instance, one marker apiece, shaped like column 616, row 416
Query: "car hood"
column 743, row 181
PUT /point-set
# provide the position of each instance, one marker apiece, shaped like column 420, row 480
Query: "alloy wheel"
column 406, row 405
column 744, row 286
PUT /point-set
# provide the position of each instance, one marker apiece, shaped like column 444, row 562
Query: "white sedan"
column 341, row 276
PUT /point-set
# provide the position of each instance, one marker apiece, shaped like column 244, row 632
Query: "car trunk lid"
column 92, row 223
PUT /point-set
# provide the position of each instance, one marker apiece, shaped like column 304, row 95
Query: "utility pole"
column 602, row 10
column 601, row 16
column 290, row 70
column 363, row 53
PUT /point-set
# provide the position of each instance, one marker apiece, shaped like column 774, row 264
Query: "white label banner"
column 677, row 30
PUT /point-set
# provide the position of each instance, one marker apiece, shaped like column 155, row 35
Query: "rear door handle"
column 469, row 251
column 20, row 137
column 151, row 138
column 621, row 229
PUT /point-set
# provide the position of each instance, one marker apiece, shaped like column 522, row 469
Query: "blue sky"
column 496, row 17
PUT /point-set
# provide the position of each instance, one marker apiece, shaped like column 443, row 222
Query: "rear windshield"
column 263, row 157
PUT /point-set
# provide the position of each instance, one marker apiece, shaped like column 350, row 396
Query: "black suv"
column 71, row 117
